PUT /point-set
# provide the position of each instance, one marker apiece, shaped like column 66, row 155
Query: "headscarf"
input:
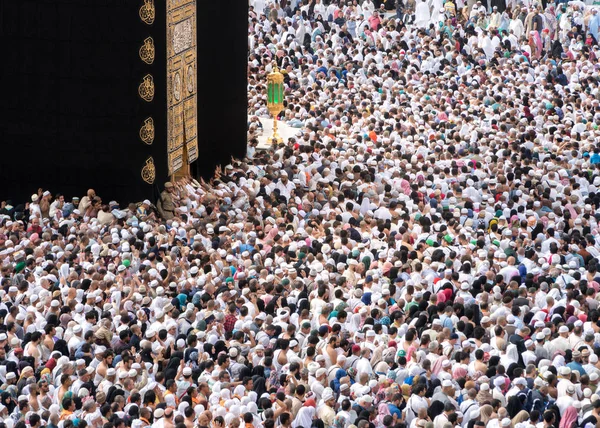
column 259, row 385
column 172, row 367
column 239, row 391
column 514, row 406
column 569, row 417
column 382, row 411
column 459, row 372
column 182, row 298
column 355, row 322
column 511, row 356
column 550, row 20
column 68, row 394
column 310, row 402
column 522, row 416
column 437, row 366
column 484, row 396
column 304, row 417
column 258, row 371
column 558, row 361
column 6, row 400
column 339, row 374
column 486, row 413
column 339, row 421
column 536, row 41
column 26, row 373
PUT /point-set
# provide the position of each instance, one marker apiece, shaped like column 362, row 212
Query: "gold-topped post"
column 275, row 95
column 184, row 171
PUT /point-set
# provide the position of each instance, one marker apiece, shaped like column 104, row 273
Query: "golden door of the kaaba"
column 182, row 143
column 181, row 73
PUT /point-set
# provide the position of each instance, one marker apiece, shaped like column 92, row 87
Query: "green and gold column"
column 275, row 96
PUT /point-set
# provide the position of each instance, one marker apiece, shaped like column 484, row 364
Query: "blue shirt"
column 394, row 410
column 447, row 322
column 575, row 366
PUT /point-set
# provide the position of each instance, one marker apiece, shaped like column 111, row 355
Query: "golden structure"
column 182, row 141
column 148, row 12
column 147, row 131
column 146, row 88
column 149, row 171
column 275, row 96
column 147, row 51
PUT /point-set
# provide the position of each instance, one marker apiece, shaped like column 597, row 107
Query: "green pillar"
column 270, row 93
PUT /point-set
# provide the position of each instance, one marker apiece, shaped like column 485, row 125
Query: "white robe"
column 259, row 6
column 516, row 27
column 368, row 8
column 304, row 417
column 300, row 32
column 436, row 7
column 487, row 47
column 422, row 16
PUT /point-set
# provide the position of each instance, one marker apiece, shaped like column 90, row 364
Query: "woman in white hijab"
column 558, row 361
column 251, row 407
column 235, row 410
column 239, row 391
column 354, row 324
column 182, row 406
column 229, row 417
column 511, row 356
column 485, row 43
column 304, row 417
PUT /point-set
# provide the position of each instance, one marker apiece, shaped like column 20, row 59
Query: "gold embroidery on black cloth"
column 147, row 131
column 147, row 51
column 148, row 12
column 149, row 171
column 190, row 79
column 182, row 139
column 177, row 87
column 146, row 88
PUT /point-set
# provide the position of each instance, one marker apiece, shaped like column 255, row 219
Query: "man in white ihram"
column 422, row 15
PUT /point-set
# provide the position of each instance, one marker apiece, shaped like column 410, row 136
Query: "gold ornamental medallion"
column 149, row 171
column 147, row 131
column 146, row 88
column 147, row 51
column 148, row 12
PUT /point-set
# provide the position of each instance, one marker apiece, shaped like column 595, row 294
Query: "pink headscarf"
column 571, row 210
column 386, row 268
column 569, row 418
column 405, row 185
column 437, row 366
column 382, row 411
column 444, row 295
column 534, row 37
column 459, row 372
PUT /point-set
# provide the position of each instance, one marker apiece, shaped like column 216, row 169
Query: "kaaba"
column 119, row 95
